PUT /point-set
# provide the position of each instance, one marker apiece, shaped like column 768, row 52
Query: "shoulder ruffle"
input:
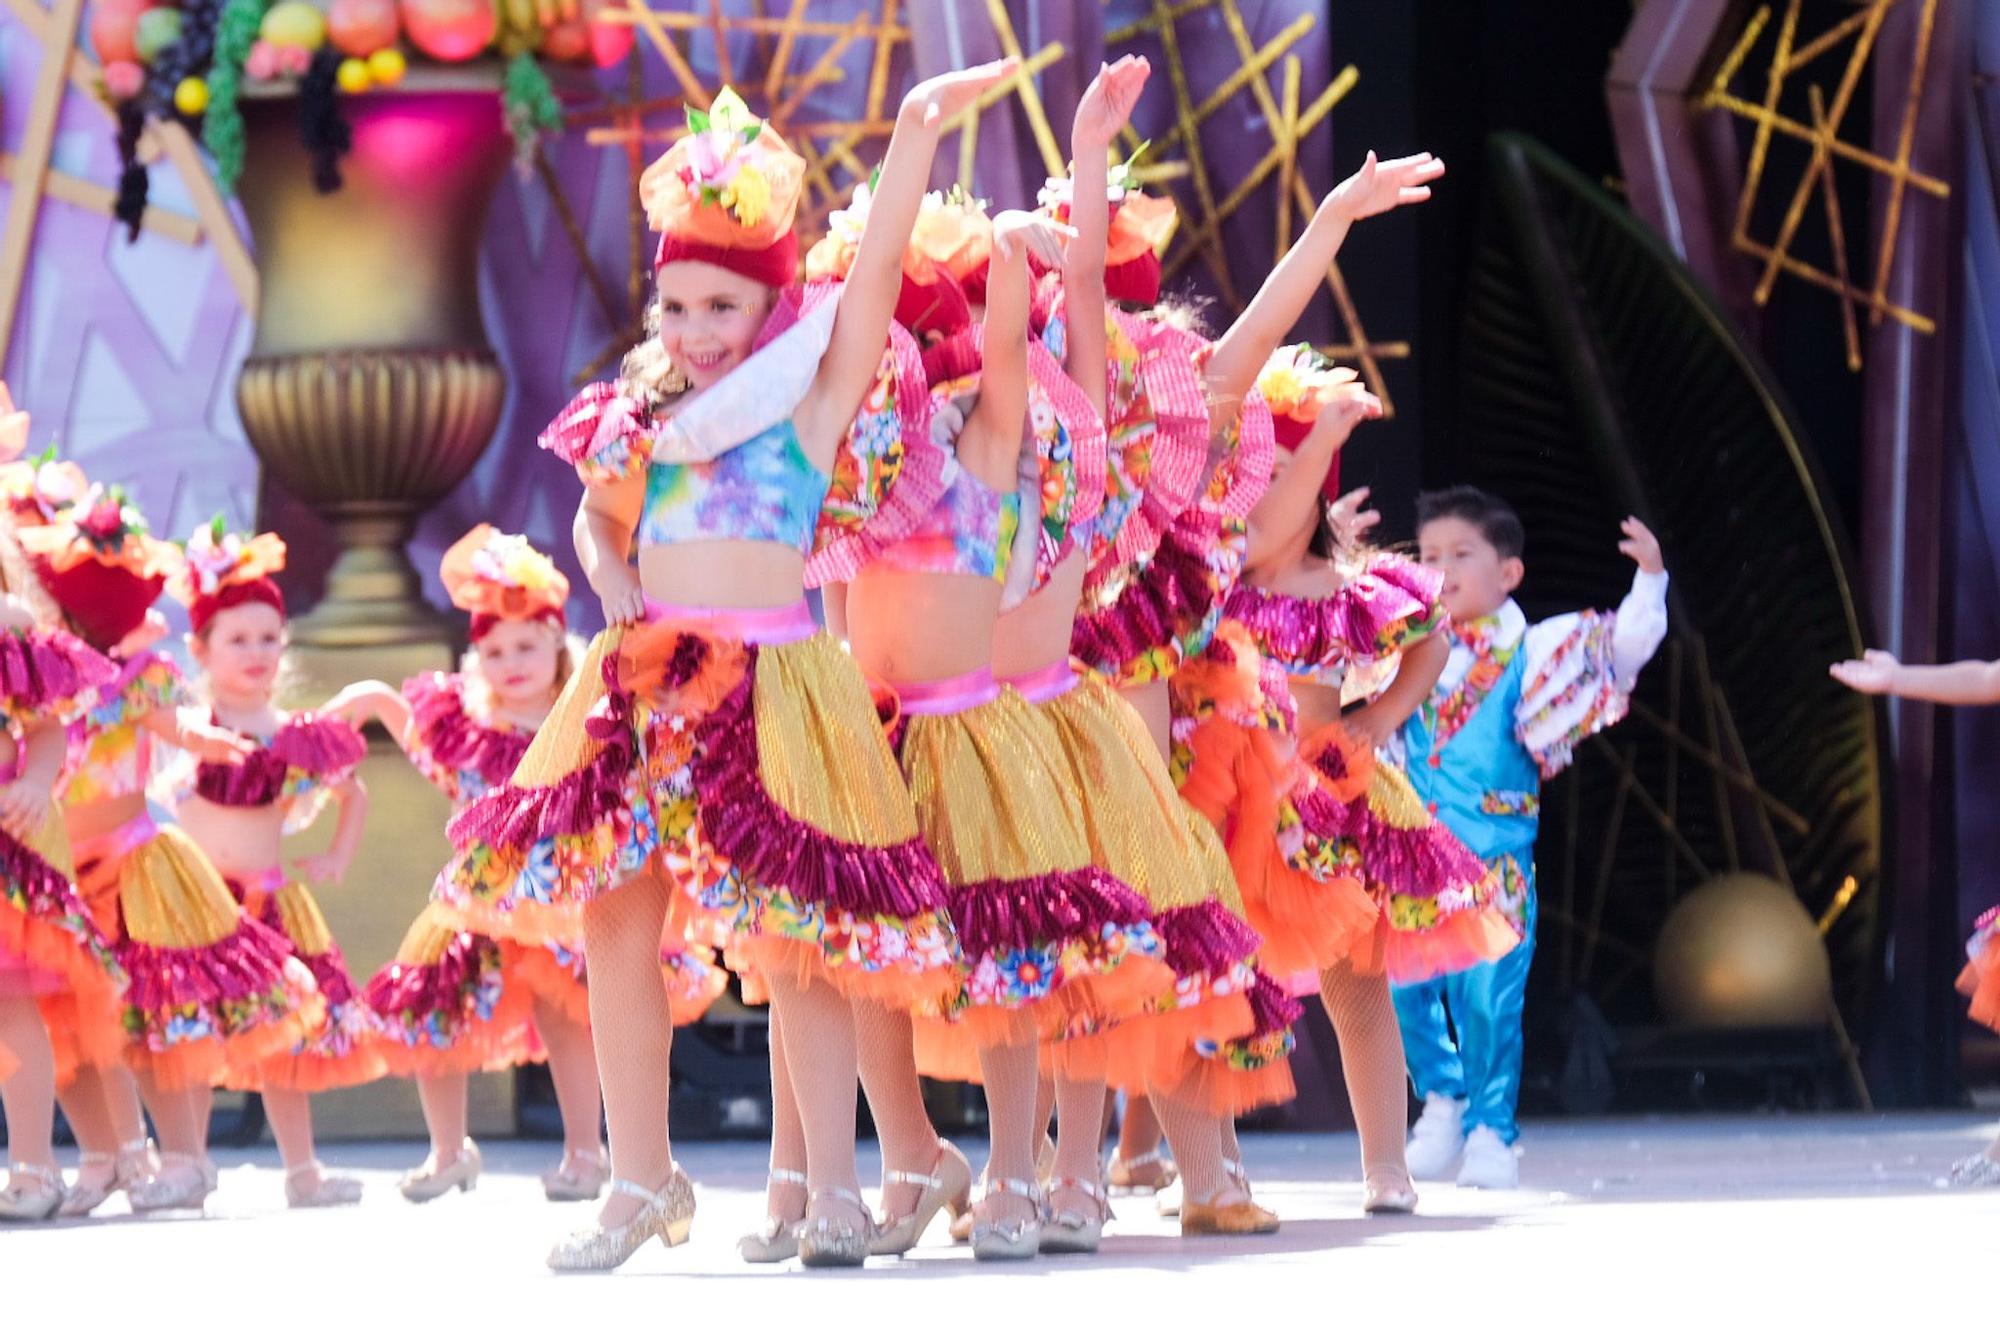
column 147, row 682
column 49, row 674
column 1570, row 688
column 324, row 748
column 1372, row 616
column 604, row 435
column 455, row 750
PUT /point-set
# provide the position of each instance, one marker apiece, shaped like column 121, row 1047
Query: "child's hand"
column 354, row 704
column 24, row 807
column 1641, row 547
column 1370, row 723
column 1352, row 405
column 939, row 98
column 215, row 745
column 1875, row 673
column 326, row 868
column 143, row 636
column 1107, row 104
column 1044, row 237
column 1349, row 521
column 1380, row 186
column 617, row 587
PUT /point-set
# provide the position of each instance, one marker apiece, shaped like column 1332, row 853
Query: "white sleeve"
column 757, row 395
column 1641, row 626
column 1580, row 670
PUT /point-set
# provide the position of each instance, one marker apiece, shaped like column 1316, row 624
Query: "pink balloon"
column 295, row 60
column 123, row 79
column 262, row 62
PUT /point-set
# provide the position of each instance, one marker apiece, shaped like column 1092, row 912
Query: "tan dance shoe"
column 777, row 1239
column 1229, row 1219
column 431, row 1181
column 1067, row 1231
column 1148, row 1173
column 33, row 1193
column 837, row 1242
column 1016, row 1240
column 948, row 1186
column 578, row 1178
column 668, row 1214
column 1387, row 1192
column 182, row 1182
column 325, row 1191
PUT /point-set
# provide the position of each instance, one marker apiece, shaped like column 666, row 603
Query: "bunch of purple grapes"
column 190, row 54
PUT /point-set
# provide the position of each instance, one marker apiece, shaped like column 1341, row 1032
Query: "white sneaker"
column 1489, row 1163
column 1437, row 1139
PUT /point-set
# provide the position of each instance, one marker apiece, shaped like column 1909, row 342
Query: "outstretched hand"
column 1352, row 404
column 1873, row 673
column 1380, row 186
column 326, row 868
column 24, row 807
column 1349, row 521
column 943, row 96
column 1641, row 547
column 1106, row 106
column 1045, row 238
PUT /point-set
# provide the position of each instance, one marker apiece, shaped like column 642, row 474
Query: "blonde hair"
column 648, row 375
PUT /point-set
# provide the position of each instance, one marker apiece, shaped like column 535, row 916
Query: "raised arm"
column 990, row 445
column 1292, row 501
column 605, row 521
column 367, row 701
column 868, row 298
column 187, row 729
column 1103, row 111
column 1241, row 352
column 1877, row 672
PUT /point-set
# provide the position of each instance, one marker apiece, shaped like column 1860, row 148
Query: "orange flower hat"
column 944, row 266
column 727, row 194
column 224, row 569
column 499, row 576
column 1141, row 227
column 1298, row 383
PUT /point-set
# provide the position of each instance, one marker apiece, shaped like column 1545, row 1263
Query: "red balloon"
column 362, row 27
column 568, row 42
column 450, row 30
column 113, row 25
column 609, row 42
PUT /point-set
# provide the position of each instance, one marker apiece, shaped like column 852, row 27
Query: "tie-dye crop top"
column 970, row 530
column 110, row 753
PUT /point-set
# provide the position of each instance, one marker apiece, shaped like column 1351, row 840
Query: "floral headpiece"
column 1298, row 383
column 1141, row 226
column 944, row 266
column 498, row 576
column 223, row 569
column 101, row 564
column 726, row 194
column 37, row 489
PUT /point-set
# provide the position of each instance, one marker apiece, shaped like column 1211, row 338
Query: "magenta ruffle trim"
column 33, row 887
column 774, row 848
column 324, row 748
column 1160, row 607
column 590, row 421
column 433, row 988
column 1271, row 1010
column 1170, row 381
column 1355, row 624
column 1205, row 940
column 999, row 916
column 452, row 740
column 919, row 482
column 246, row 964
column 49, row 671
column 1247, row 471
column 1426, row 862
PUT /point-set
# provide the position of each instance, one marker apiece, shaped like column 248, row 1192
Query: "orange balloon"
column 450, row 30
column 362, row 27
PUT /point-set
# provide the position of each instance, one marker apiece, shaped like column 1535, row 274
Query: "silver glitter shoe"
column 836, row 1242
column 578, row 1178
column 162, row 1193
column 947, row 1186
column 431, row 1181
column 325, row 1192
column 776, row 1240
column 1068, row 1231
column 1976, row 1172
column 33, row 1193
column 1009, row 1240
column 669, row 1214
column 1388, row 1193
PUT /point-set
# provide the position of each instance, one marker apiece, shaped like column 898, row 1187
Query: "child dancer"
column 1961, row 684
column 725, row 716
column 1509, row 710
column 209, row 986
column 1301, row 622
column 239, row 815
column 455, row 1001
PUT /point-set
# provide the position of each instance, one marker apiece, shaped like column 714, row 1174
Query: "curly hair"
column 647, row 374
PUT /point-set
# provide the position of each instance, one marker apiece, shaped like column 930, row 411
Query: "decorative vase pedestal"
column 370, row 391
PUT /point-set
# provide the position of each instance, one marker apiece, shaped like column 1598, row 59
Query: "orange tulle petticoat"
column 1055, row 947
column 340, row 1050
column 455, row 1001
column 53, row 951
column 740, row 753
column 1980, row 981
column 1145, row 836
column 209, row 985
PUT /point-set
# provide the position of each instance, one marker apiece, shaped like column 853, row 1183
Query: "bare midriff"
column 754, row 575
column 906, row 627
column 94, row 819
column 242, row 841
column 1318, row 704
column 1036, row 634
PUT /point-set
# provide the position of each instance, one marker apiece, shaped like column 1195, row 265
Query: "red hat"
column 950, row 246
column 223, row 570
column 99, row 564
column 1297, row 382
column 1140, row 227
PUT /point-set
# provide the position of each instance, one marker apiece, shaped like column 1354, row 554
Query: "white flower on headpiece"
column 209, row 559
column 58, row 485
column 509, row 561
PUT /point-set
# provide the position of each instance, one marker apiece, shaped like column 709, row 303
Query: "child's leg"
column 573, row 1070
column 1487, row 1003
column 1371, row 1058
column 1013, row 1085
column 1198, row 1141
column 443, row 1100
column 1137, row 1164
column 785, row 1199
column 633, row 1034
column 1433, row 1058
column 29, row 1094
column 1079, row 1135
column 820, row 1056
column 896, row 1101
column 290, row 1114
column 180, row 1116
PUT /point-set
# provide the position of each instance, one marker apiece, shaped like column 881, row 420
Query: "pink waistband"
column 268, row 880
column 122, row 841
column 1051, row 682
column 752, row 624
column 954, row 694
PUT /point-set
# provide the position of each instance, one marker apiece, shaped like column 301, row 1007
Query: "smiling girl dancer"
column 724, row 715
column 240, row 814
column 210, row 986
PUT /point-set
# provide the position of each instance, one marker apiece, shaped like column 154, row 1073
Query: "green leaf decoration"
column 222, row 124
column 697, row 120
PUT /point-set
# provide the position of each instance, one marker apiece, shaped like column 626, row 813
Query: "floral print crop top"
column 970, row 530
column 763, row 488
column 110, row 754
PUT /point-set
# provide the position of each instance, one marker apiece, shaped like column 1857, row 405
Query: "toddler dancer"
column 717, row 714
column 1959, row 683
column 1509, row 710
column 209, row 986
column 240, row 813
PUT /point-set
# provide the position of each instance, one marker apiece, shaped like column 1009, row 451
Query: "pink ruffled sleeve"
column 49, row 675
column 462, row 756
column 602, row 434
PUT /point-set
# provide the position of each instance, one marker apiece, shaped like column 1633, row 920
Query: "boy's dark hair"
column 1494, row 517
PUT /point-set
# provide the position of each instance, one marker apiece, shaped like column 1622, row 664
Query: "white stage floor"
column 1835, row 1222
